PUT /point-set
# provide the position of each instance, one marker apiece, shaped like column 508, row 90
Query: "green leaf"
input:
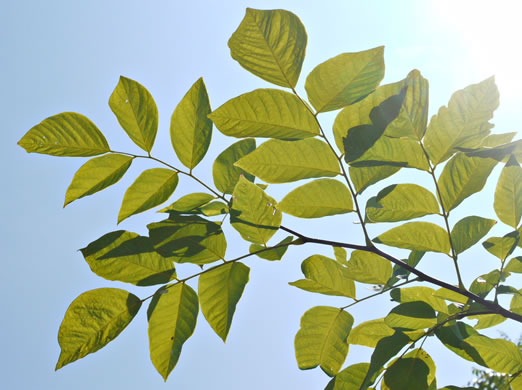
column 498, row 354
column 254, row 214
column 128, row 257
column 508, row 195
column 136, row 112
column 498, row 153
column 367, row 267
column 351, row 378
column 363, row 177
column 188, row 239
column 172, row 316
column 516, row 303
column 407, row 374
column 465, row 118
column 514, row 265
column 266, row 113
column 270, row 44
column 318, row 198
column 345, row 79
column 225, row 174
column 369, row 333
column 463, row 176
column 219, row 292
column 325, row 276
column 277, row 161
column 487, row 320
column 151, row 188
column 468, row 231
column 188, row 203
column 482, row 285
column 453, row 337
column 340, row 255
column 67, row 134
column 190, row 129
column 94, row 319
column 411, row 315
column 400, row 273
column 400, row 202
column 419, row 294
column 213, row 208
column 450, row 295
column 275, row 253
column 321, row 340
column 97, row 174
column 493, row 140
column 419, row 236
column 502, row 247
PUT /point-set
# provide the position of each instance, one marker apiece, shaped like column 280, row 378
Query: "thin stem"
column 378, row 293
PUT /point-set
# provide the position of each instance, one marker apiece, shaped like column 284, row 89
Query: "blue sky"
column 68, row 55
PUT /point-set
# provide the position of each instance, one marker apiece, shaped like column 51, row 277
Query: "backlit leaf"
column 318, row 198
column 369, row 333
column 219, row 292
column 321, row 340
column 340, row 255
column 270, row 44
column 487, row 320
column 450, row 295
column 363, row 177
column 268, row 113
column 351, row 378
column 502, row 247
column 516, row 303
column 97, row 174
column 276, row 253
column 136, row 112
column 151, row 188
column 190, row 129
column 225, row 174
column 420, row 236
column 188, row 202
column 277, row 161
column 67, row 134
column 468, row 231
column 419, row 294
column 94, row 319
column 345, row 79
column 514, row 265
column 508, row 195
column 454, row 336
column 483, row 284
column 415, row 379
column 411, row 315
column 498, row 354
column 172, row 316
column 367, row 267
column 493, row 140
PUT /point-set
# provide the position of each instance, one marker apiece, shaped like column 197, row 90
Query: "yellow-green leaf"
column 67, row 134
column 277, row 161
column 493, row 140
column 502, row 247
column 219, row 292
column 465, row 118
column 128, row 257
column 363, row 177
column 272, row 253
column 498, row 354
column 450, row 295
column 419, row 294
column 94, row 319
column 468, row 231
column 318, row 198
column 190, row 129
column 254, row 214
column 419, row 236
column 345, row 79
column 270, row 44
column 351, row 378
column 515, row 265
column 172, row 316
column 321, row 340
column 411, row 315
column 516, row 303
column 97, row 174
column 487, row 320
column 188, row 203
column 151, row 188
column 367, row 267
column 407, row 373
column 463, row 176
column 508, row 195
column 225, row 174
column 400, row 202
column 268, row 113
column 369, row 333
column 340, row 255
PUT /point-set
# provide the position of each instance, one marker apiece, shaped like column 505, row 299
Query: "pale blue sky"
column 67, row 56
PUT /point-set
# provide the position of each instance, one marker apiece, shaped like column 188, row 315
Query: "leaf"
column 136, row 112
column 225, row 174
column 498, row 354
column 270, row 44
column 450, row 295
column 266, row 113
column 461, row 177
column 498, row 153
column 188, row 203
column 400, row 202
column 274, row 253
column 367, row 267
column 400, row 273
column 254, row 214
column 482, row 285
column 188, row 239
column 94, row 319
column 502, row 247
column 67, row 134
column 369, row 333
column 340, row 255
column 419, row 236
column 318, row 198
column 514, row 265
column 363, row 177
column 487, row 320
column 419, row 294
column 407, row 374
column 151, row 188
column 97, row 174
column 325, row 276
column 351, row 378
column 466, row 116
column 516, row 303
column 345, row 79
column 213, row 208
column 453, row 337
column 277, row 161
column 321, row 340
column 468, row 231
column 493, row 140
column 219, row 292
column 411, row 315
column 508, row 195
column 172, row 316
column 128, row 257
column 190, row 129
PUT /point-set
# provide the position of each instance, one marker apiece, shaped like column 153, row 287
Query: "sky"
column 61, row 56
